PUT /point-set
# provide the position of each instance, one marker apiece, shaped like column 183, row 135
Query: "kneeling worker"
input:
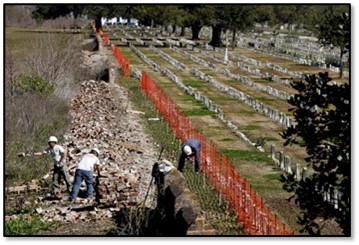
column 191, row 148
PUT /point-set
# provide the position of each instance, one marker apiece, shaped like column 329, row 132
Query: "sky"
column 214, row 240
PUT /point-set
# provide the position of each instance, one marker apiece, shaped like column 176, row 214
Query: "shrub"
column 26, row 225
column 35, row 84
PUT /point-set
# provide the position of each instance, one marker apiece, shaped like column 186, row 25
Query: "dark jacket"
column 196, row 149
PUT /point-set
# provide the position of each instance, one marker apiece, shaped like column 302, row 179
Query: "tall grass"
column 26, row 225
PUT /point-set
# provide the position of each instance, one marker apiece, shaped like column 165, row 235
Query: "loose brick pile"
column 102, row 117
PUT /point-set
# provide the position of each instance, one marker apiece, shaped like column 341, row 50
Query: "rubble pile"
column 102, row 117
column 98, row 121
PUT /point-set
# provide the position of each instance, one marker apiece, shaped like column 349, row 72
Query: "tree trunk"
column 98, row 23
column 174, row 29
column 195, row 32
column 182, row 31
column 233, row 38
column 341, row 74
column 216, row 36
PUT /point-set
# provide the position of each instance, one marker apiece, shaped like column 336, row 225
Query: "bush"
column 35, row 84
column 26, row 225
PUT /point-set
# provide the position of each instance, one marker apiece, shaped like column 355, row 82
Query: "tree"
column 286, row 14
column 198, row 16
column 238, row 18
column 322, row 113
column 96, row 12
column 173, row 15
column 335, row 32
column 265, row 14
column 50, row 11
column 149, row 15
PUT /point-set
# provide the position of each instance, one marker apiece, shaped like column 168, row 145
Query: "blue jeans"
column 81, row 175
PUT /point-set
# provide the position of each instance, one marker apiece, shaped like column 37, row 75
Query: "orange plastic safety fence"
column 121, row 59
column 253, row 215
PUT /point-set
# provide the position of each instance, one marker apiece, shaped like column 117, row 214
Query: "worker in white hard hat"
column 190, row 149
column 58, row 155
column 84, row 171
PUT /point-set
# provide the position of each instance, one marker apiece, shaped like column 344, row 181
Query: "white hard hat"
column 52, row 139
column 187, row 150
column 96, row 150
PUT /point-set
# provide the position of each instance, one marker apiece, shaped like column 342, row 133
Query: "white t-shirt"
column 55, row 153
column 88, row 161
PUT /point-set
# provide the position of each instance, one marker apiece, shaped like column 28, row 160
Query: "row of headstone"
column 283, row 161
column 140, row 41
column 143, row 57
column 127, row 34
column 316, row 57
column 271, row 113
column 196, row 94
column 244, row 79
column 277, row 79
column 240, row 58
column 297, row 52
column 186, row 41
column 124, row 40
column 247, row 99
column 220, row 115
column 257, row 63
column 168, row 58
column 194, row 58
column 208, row 104
column 258, row 73
column 155, row 40
column 248, row 69
column 173, row 42
column 289, row 48
column 213, row 57
column 260, row 87
column 334, row 68
column 278, row 68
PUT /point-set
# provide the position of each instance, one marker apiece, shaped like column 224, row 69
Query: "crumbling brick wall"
column 180, row 208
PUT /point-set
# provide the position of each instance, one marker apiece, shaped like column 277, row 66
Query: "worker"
column 84, row 171
column 190, row 149
column 58, row 155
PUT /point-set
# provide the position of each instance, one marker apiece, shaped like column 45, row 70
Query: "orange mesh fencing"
column 121, row 59
column 252, row 214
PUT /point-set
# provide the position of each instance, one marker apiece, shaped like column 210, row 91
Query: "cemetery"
column 267, row 101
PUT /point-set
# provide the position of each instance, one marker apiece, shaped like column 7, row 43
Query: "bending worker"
column 190, row 149
column 84, row 171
